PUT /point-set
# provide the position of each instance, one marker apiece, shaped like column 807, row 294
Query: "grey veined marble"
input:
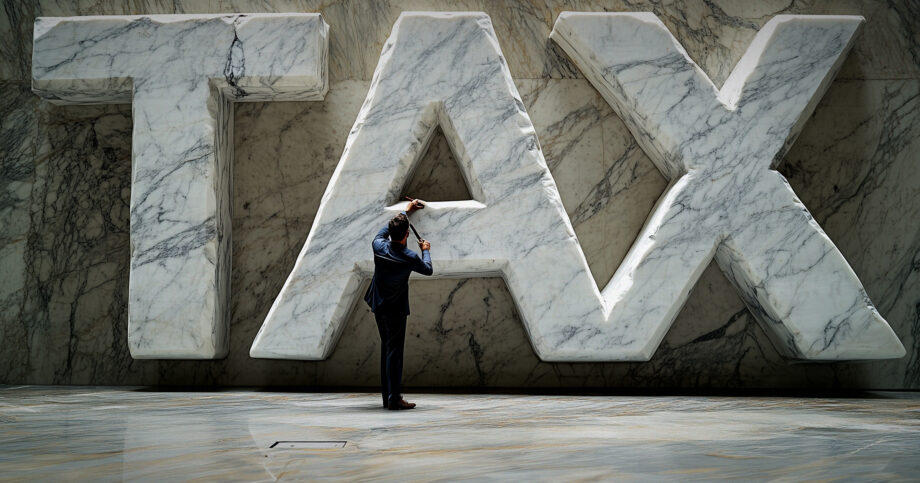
column 93, row 434
column 718, row 148
column 447, row 69
column 181, row 73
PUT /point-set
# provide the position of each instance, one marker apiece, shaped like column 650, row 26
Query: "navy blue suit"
column 388, row 297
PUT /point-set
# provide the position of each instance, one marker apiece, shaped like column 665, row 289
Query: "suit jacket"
column 393, row 262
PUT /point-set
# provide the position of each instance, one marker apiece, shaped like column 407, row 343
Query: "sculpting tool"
column 410, row 224
column 421, row 205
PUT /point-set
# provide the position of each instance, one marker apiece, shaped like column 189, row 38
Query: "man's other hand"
column 414, row 205
column 424, row 245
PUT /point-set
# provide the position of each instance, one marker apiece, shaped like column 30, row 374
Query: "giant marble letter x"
column 448, row 69
column 717, row 147
column 181, row 71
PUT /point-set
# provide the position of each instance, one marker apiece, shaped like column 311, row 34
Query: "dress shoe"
column 401, row 404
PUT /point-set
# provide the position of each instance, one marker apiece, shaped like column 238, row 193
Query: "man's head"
column 399, row 228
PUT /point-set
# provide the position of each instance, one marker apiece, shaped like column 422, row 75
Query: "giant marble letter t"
column 181, row 72
column 718, row 148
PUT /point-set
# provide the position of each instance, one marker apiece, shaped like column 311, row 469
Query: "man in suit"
column 388, row 297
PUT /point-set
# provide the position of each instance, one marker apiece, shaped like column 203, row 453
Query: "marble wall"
column 65, row 189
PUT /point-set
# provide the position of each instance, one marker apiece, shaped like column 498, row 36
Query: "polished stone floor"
column 82, row 433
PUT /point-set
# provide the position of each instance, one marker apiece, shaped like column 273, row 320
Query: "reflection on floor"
column 128, row 433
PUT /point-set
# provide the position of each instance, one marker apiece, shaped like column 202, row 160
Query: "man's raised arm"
column 424, row 263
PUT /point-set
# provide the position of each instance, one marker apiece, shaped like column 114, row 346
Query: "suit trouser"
column 392, row 329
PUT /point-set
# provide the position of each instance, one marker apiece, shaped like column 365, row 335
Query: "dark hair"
column 398, row 227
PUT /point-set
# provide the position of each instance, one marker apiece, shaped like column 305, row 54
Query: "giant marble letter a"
column 718, row 147
column 181, row 72
column 447, row 69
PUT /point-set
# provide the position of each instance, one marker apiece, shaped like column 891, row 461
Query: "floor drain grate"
column 308, row 444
